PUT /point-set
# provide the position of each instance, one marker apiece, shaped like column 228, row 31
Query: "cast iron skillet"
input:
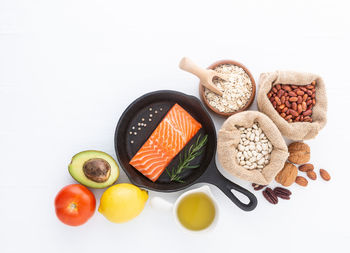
column 150, row 109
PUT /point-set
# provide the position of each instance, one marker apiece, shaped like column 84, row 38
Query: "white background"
column 68, row 69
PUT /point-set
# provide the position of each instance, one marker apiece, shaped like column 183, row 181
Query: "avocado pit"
column 97, row 170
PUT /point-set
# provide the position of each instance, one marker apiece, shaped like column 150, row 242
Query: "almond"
column 300, row 109
column 325, row 175
column 302, row 181
column 286, row 87
column 307, row 112
column 305, row 97
column 303, row 106
column 278, row 101
column 293, row 99
column 288, row 117
column 293, row 112
column 306, row 167
column 311, row 174
column 300, row 92
column 280, row 93
column 300, row 99
column 292, row 94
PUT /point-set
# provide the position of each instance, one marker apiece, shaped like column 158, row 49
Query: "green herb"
column 193, row 152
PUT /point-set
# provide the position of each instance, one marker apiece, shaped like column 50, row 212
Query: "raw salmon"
column 166, row 141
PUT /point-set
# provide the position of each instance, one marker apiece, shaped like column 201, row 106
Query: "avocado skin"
column 75, row 168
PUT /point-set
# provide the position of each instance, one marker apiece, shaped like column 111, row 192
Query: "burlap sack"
column 297, row 130
column 228, row 140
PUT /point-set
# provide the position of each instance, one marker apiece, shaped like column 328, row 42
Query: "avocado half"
column 94, row 169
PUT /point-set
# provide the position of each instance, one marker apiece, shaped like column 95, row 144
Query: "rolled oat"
column 237, row 90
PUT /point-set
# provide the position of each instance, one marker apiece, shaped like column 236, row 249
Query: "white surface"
column 69, row 68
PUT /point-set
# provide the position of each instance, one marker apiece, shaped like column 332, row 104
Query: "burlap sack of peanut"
column 251, row 147
column 296, row 102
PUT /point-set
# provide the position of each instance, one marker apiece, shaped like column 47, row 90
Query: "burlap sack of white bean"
column 296, row 131
column 228, row 140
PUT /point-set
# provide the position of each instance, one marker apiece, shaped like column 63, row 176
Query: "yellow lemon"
column 122, row 202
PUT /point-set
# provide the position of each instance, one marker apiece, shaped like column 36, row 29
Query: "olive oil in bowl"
column 196, row 211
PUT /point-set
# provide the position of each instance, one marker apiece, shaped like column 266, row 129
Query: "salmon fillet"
column 167, row 140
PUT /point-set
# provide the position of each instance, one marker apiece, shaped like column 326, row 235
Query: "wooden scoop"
column 205, row 75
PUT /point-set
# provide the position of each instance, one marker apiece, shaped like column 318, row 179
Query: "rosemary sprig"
column 194, row 151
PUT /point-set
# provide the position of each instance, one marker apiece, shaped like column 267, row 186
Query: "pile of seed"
column 237, row 90
column 152, row 113
column 254, row 149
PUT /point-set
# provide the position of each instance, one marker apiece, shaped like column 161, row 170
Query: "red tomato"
column 75, row 204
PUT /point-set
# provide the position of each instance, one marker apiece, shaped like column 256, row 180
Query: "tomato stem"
column 73, row 207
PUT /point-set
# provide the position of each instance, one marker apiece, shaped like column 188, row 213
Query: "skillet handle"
column 213, row 176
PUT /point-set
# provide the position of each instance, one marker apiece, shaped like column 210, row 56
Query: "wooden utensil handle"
column 189, row 66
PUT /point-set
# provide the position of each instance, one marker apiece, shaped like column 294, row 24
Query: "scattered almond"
column 302, row 181
column 325, row 175
column 311, row 174
column 306, row 167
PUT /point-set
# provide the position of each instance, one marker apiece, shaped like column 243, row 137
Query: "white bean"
column 258, row 157
column 258, row 147
column 245, row 154
column 254, row 148
column 252, row 159
column 252, row 137
column 261, row 161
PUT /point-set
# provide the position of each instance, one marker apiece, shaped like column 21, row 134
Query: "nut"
column 325, row 175
column 306, row 167
column 311, row 174
column 299, row 152
column 302, row 181
column 287, row 175
column 270, row 196
column 300, row 99
column 258, row 187
column 282, row 193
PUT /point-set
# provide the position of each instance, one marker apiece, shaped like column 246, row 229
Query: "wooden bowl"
column 251, row 99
